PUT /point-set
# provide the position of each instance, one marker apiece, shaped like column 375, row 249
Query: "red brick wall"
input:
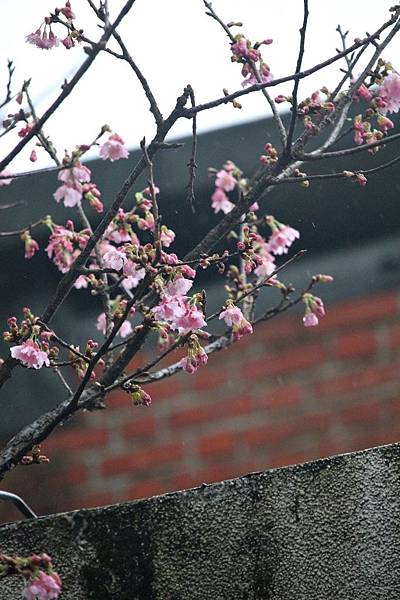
column 284, row 395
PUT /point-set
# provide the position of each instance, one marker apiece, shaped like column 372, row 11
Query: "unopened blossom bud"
column 280, row 99
column 361, row 179
column 33, row 156
column 323, row 278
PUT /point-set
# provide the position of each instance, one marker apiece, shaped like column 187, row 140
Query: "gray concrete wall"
column 326, row 530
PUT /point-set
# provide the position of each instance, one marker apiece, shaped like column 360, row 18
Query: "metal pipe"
column 18, row 503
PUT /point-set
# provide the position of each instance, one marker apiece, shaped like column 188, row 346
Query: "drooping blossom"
column 220, row 201
column 30, row 354
column 70, row 196
column 113, row 149
column 31, row 245
column 282, row 236
column 310, row 320
column 72, row 189
column 196, row 356
column 384, row 123
column 42, row 39
column 315, row 309
column 389, row 92
column 43, row 587
column 139, row 396
column 233, row 317
column 167, row 236
column 4, row 179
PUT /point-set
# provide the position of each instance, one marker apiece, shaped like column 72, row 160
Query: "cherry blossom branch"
column 293, row 118
column 304, row 156
column 189, row 112
column 282, row 132
column 68, row 87
column 344, row 103
column 341, row 175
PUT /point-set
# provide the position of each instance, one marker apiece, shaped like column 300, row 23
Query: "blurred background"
column 284, row 395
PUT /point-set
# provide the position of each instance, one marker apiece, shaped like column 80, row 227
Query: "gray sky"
column 174, row 43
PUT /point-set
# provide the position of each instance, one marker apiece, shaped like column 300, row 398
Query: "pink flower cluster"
column 224, row 182
column 43, row 587
column 233, row 317
column 73, row 179
column 65, row 245
column 42, row 39
column 244, row 52
column 315, row 309
column 179, row 311
column 282, row 236
column 113, row 149
column 389, row 94
column 196, row 357
column 47, row 40
column 30, row 354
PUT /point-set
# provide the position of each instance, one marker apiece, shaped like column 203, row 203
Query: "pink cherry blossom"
column 234, row 318
column 179, row 287
column 43, row 587
column 65, row 245
column 81, row 282
column 389, row 92
column 220, row 201
column 193, row 318
column 167, row 236
column 232, row 315
column 192, row 362
column 75, row 175
column 188, row 271
column 114, row 259
column 384, row 123
column 225, row 181
column 113, row 149
column 170, row 308
column 133, row 275
column 30, row 354
column 282, row 236
column 310, row 320
column 5, row 181
column 70, row 195
column 42, row 40
column 125, row 329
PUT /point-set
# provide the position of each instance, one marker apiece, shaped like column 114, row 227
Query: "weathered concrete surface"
column 326, row 530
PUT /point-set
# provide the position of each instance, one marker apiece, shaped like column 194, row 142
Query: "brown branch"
column 293, row 118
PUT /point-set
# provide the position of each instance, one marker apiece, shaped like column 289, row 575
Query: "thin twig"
column 190, row 195
column 293, row 118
